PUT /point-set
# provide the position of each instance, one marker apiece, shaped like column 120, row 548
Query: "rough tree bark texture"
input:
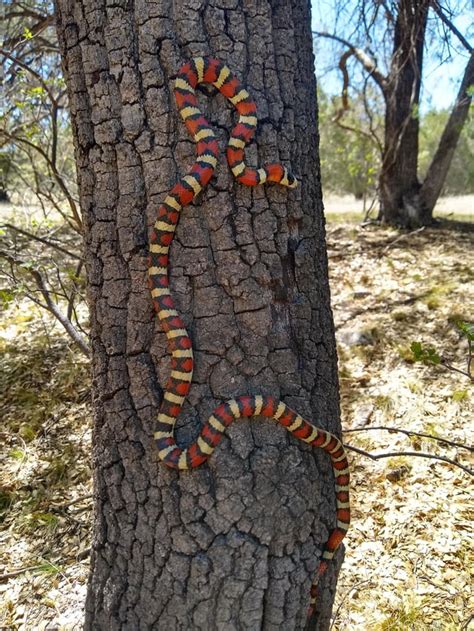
column 234, row 544
column 399, row 185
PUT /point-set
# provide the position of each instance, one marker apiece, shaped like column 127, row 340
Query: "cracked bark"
column 235, row 543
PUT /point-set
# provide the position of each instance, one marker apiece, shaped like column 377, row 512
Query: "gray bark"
column 235, row 543
column 439, row 167
column 398, row 183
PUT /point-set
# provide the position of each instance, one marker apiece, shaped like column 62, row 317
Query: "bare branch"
column 50, row 244
column 57, row 176
column 70, row 307
column 49, row 303
column 367, row 63
column 417, row 454
column 458, row 370
column 438, row 9
column 410, row 433
column 43, row 22
column 370, row 117
column 33, row 72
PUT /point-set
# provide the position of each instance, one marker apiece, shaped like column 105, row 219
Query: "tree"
column 460, row 179
column 235, row 543
column 404, row 200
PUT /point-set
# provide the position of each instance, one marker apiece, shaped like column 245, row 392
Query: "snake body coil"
column 212, row 71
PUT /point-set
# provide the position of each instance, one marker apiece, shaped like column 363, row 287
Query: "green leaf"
column 467, row 329
column 416, row 349
column 424, row 354
column 459, row 395
column 6, row 297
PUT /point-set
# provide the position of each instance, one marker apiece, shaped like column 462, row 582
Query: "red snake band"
column 212, row 71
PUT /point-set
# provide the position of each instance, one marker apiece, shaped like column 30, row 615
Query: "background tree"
column 460, row 178
column 400, row 30
column 234, row 544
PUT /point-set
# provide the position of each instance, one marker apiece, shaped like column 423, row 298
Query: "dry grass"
column 45, row 470
column 340, row 208
column 409, row 550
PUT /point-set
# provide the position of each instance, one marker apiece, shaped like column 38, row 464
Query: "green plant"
column 428, row 355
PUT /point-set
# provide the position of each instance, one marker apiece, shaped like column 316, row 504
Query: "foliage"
column 350, row 158
column 350, row 155
column 428, row 355
column 39, row 257
column 425, row 354
column 35, row 136
column 460, row 178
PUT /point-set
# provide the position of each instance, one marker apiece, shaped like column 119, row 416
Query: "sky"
column 440, row 80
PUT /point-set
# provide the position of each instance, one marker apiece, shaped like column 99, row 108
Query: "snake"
column 211, row 71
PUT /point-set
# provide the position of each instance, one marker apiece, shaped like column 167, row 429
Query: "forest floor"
column 409, row 551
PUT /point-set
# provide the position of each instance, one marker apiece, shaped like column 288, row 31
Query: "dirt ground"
column 409, row 552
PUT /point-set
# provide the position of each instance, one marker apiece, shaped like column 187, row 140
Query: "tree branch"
column 33, row 72
column 50, row 244
column 345, row 99
column 49, row 304
column 438, row 9
column 43, row 22
column 417, row 454
column 57, row 176
column 367, row 63
column 409, row 433
column 436, row 174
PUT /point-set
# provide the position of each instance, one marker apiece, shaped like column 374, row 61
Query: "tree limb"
column 367, row 63
column 418, row 454
column 345, row 99
column 410, row 433
column 57, row 176
column 438, row 169
column 438, row 9
column 33, row 72
column 50, row 244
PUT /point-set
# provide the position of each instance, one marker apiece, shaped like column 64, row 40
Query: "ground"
column 408, row 553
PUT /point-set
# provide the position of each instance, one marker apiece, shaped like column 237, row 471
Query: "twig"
column 458, row 370
column 76, row 501
column 41, row 240
column 400, row 238
column 345, row 597
column 21, row 570
column 418, row 454
column 361, row 56
column 31, row 568
column 49, row 304
column 67, row 324
column 409, row 433
column 33, row 72
column 56, row 175
column 75, row 290
column 440, row 13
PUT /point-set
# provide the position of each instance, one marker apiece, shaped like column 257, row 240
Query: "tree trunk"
column 399, row 185
column 235, row 543
column 439, row 167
